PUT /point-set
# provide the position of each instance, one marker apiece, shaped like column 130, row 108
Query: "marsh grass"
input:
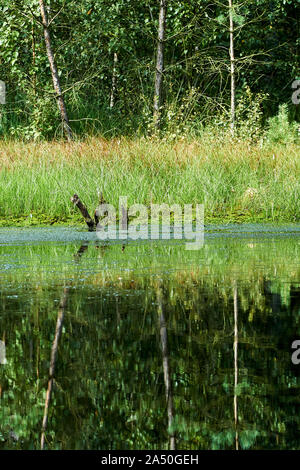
column 236, row 181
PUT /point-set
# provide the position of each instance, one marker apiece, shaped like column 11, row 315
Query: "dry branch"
column 85, row 214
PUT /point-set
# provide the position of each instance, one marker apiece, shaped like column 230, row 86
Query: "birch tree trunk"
column 114, row 82
column 54, row 72
column 232, row 68
column 33, row 58
column 159, row 73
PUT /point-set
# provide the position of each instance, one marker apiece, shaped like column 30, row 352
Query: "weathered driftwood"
column 85, row 214
column 96, row 217
column 92, row 224
column 96, row 213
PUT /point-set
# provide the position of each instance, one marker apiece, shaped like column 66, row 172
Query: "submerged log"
column 85, row 214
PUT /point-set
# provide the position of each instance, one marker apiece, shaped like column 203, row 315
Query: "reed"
column 235, row 180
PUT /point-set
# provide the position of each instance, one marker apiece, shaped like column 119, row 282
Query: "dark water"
column 213, row 328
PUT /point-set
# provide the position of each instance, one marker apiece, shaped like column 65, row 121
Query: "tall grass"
column 235, row 180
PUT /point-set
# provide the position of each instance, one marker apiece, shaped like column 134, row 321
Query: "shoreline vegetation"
column 237, row 181
column 193, row 110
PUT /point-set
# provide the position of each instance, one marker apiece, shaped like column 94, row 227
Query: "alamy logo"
column 178, row 223
column 296, row 94
column 296, row 354
column 2, row 92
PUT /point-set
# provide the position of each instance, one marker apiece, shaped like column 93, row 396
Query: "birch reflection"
column 166, row 366
column 235, row 349
column 58, row 330
column 2, row 353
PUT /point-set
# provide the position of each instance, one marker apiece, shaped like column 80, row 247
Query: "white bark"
column 160, row 62
column 54, row 72
column 114, row 82
column 232, row 68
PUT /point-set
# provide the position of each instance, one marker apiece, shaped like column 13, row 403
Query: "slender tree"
column 33, row 57
column 160, row 62
column 114, row 82
column 54, row 72
column 232, row 67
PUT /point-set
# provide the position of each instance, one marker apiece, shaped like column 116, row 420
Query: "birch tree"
column 159, row 72
column 232, row 68
column 114, row 82
column 54, row 72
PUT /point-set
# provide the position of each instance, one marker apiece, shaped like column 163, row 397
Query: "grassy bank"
column 235, row 180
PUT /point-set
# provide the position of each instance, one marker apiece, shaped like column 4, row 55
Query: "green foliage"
column 249, row 115
column 280, row 130
column 247, row 438
column 196, row 79
column 223, row 440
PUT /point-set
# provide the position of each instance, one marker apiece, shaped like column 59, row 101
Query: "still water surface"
column 158, row 346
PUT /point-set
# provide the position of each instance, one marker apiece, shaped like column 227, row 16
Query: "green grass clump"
column 236, row 181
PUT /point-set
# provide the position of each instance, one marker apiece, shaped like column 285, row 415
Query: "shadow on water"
column 148, row 345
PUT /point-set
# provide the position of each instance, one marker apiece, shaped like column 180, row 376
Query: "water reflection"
column 148, row 346
column 2, row 353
